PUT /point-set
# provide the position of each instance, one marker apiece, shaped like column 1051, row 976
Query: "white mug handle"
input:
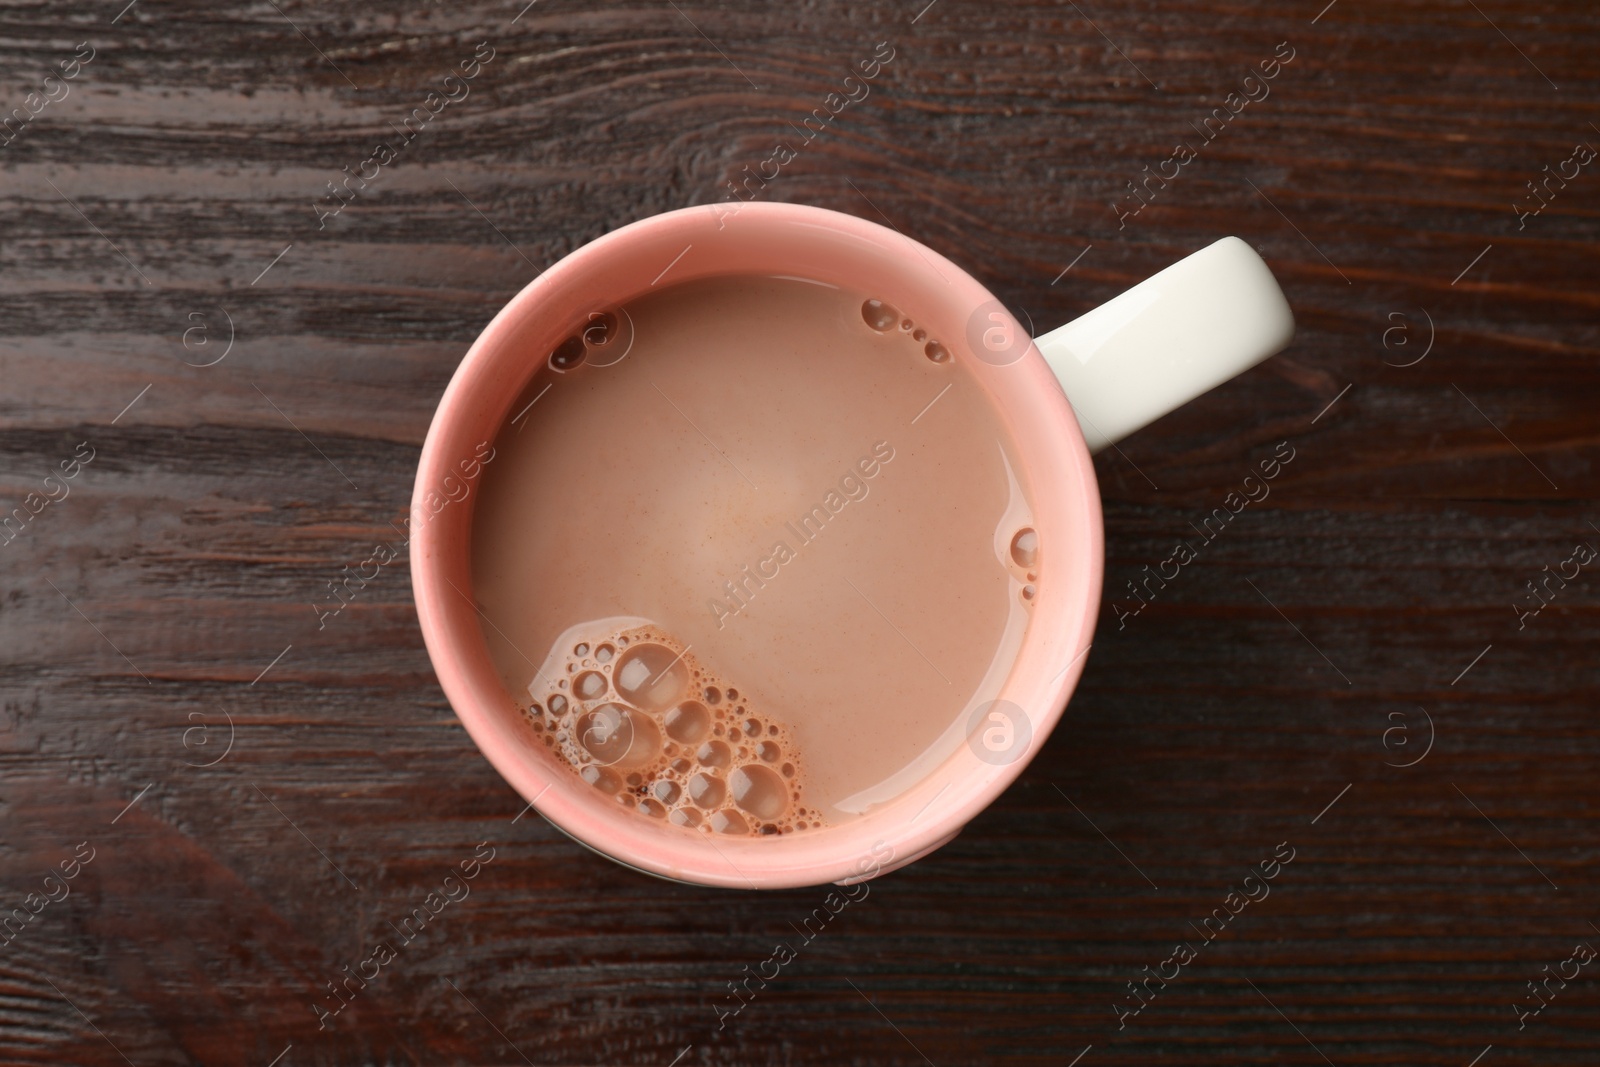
column 1170, row 338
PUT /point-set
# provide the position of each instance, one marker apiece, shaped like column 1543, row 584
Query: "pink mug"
column 1156, row 346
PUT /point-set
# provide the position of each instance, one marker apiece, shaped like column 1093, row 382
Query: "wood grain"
column 140, row 612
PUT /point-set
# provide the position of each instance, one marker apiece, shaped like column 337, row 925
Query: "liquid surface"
column 775, row 492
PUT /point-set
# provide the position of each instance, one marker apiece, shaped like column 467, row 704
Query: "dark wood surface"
column 140, row 613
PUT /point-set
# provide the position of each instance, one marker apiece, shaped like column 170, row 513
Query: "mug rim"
column 1061, row 489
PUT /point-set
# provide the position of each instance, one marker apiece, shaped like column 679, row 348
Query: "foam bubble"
column 759, row 790
column 618, row 736
column 878, row 315
column 1025, row 548
column 714, row 754
column 632, row 728
column 707, row 790
column 688, row 722
column 568, row 354
column 602, row 328
column 651, row 676
column 729, row 821
column 601, row 778
column 589, row 685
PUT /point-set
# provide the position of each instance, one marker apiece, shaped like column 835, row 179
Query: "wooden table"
column 1351, row 672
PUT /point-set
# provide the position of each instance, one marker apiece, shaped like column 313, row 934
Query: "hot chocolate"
column 751, row 550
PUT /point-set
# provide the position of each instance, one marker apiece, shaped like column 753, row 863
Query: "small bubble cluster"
column 603, row 332
column 883, row 318
column 1025, row 561
column 640, row 719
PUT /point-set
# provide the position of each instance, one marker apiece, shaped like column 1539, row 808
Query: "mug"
column 1061, row 396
